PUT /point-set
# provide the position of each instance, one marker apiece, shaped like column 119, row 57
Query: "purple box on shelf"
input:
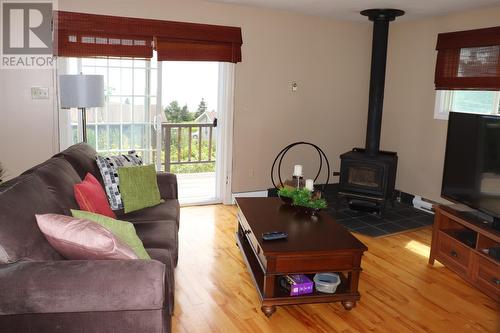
column 297, row 284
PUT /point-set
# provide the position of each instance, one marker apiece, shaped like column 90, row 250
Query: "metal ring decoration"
column 282, row 154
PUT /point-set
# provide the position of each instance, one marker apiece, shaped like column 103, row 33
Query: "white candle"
column 297, row 170
column 310, row 184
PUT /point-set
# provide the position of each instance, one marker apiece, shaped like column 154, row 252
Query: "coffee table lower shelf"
column 272, row 295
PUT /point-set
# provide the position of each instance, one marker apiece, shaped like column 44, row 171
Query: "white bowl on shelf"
column 326, row 282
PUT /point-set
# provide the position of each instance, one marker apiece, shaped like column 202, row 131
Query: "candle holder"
column 298, row 181
column 278, row 161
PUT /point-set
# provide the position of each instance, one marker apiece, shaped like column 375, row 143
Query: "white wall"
column 26, row 126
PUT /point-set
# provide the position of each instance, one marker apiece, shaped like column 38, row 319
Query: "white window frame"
column 224, row 156
column 64, row 123
column 444, row 101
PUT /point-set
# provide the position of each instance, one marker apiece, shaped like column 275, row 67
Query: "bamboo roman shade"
column 89, row 35
column 199, row 42
column 468, row 60
column 172, row 49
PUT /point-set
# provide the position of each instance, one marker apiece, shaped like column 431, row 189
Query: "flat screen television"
column 472, row 162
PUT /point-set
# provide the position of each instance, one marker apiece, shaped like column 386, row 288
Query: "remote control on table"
column 274, row 235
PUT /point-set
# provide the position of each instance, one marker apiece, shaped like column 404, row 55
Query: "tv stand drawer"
column 488, row 277
column 453, row 252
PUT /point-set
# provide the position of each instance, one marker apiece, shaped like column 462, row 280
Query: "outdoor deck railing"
column 202, row 132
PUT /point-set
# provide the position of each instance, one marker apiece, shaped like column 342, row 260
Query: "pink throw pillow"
column 91, row 197
column 81, row 239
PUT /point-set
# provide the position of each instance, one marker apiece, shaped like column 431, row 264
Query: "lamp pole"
column 84, row 124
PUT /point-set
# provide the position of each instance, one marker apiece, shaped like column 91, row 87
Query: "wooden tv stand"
column 460, row 242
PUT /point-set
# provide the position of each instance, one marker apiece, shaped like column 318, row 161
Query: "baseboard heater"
column 422, row 204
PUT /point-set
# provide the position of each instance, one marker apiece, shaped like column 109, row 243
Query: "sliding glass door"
column 189, row 111
column 174, row 114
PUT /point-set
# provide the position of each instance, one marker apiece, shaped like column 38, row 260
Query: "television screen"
column 472, row 162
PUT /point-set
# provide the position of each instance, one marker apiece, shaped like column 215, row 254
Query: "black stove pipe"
column 381, row 19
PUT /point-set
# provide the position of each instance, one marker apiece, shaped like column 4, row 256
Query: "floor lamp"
column 81, row 91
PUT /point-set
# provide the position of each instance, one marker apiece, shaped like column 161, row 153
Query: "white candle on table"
column 297, row 170
column 310, row 184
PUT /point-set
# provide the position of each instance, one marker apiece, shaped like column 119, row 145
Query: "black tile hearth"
column 353, row 223
column 398, row 218
column 371, row 231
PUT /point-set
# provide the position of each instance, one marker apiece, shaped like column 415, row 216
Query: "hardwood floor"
column 399, row 291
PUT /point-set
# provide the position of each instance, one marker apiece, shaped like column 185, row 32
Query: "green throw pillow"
column 138, row 187
column 121, row 229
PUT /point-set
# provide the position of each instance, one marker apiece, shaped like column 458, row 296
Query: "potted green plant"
column 286, row 194
column 303, row 198
column 308, row 201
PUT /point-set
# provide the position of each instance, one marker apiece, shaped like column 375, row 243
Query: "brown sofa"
column 42, row 292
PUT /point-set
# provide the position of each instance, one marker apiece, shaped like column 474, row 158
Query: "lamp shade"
column 81, row 91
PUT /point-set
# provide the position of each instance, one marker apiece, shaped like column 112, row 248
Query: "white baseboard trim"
column 261, row 194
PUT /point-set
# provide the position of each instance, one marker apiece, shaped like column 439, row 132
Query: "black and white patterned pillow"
column 108, row 165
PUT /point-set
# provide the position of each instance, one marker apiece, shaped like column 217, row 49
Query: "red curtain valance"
column 85, row 35
column 468, row 60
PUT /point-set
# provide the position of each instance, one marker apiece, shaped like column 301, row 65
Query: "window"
column 470, row 101
column 126, row 121
column 467, row 76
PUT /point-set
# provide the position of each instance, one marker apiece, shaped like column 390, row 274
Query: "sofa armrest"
column 82, row 286
column 167, row 183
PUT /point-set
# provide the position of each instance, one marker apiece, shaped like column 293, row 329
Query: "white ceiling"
column 349, row 9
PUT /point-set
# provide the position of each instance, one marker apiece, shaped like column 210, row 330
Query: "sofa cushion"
column 122, row 229
column 91, row 196
column 108, row 166
column 81, row 239
column 160, row 234
column 162, row 255
column 165, row 257
column 66, row 286
column 168, row 210
column 59, row 177
column 9, row 183
column 20, row 237
column 138, row 187
column 82, row 157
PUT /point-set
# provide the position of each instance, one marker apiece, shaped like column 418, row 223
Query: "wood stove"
column 368, row 178
column 368, row 175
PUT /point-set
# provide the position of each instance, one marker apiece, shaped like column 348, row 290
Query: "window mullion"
column 443, row 104
column 449, row 96
column 79, row 67
column 496, row 103
column 147, row 102
column 106, row 107
column 159, row 130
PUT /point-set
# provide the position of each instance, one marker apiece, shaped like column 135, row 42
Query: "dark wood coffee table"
column 314, row 244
